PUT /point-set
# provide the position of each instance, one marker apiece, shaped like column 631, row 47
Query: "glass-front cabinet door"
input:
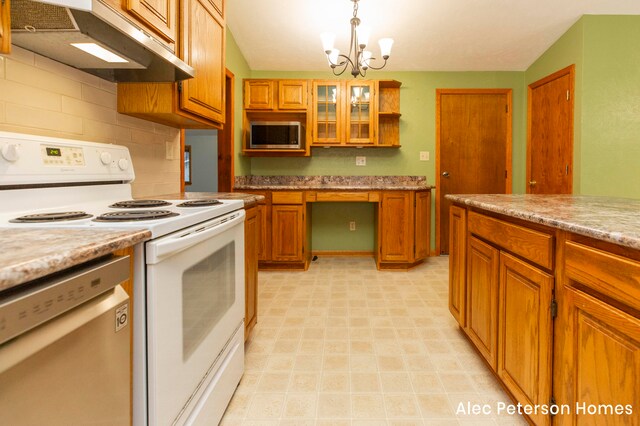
column 327, row 112
column 361, row 113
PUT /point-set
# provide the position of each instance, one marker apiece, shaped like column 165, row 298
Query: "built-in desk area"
column 402, row 216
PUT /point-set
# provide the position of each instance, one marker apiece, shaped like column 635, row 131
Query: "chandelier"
column 358, row 59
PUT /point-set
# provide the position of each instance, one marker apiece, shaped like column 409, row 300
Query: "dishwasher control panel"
column 45, row 299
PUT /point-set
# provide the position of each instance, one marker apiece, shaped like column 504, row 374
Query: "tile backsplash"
column 44, row 97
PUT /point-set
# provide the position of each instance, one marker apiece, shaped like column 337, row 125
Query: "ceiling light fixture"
column 358, row 58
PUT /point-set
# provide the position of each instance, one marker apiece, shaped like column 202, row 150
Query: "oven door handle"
column 172, row 244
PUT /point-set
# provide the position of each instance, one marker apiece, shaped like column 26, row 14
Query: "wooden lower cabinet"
column 287, row 233
column 251, row 243
column 404, row 222
column 264, row 235
column 597, row 352
column 457, row 263
column 482, row 298
column 395, row 226
column 566, row 334
column 602, row 361
column 525, row 333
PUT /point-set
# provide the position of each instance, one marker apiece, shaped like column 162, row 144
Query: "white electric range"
column 188, row 279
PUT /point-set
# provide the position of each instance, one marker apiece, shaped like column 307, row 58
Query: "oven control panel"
column 33, row 160
column 61, row 155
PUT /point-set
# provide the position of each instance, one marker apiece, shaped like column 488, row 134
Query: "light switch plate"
column 424, row 155
column 361, row 161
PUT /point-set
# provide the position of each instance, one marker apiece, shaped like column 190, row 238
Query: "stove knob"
column 123, row 163
column 10, row 152
column 105, row 157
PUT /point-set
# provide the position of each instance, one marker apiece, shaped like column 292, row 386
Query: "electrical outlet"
column 361, row 161
column 424, row 155
column 352, row 225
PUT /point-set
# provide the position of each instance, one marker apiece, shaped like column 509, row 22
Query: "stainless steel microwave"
column 275, row 134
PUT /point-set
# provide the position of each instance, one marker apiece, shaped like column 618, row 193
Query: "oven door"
column 195, row 302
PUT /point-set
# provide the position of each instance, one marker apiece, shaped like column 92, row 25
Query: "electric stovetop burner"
column 51, row 217
column 133, row 215
column 199, row 203
column 132, row 204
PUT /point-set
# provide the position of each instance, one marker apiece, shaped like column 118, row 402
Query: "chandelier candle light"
column 358, row 58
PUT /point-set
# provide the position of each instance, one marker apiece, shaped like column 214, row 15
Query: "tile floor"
column 345, row 344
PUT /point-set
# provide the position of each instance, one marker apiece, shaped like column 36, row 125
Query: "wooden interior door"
column 550, row 134
column 473, row 148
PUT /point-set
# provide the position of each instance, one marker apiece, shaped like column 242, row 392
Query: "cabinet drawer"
column 534, row 246
column 286, row 197
column 343, row 196
column 609, row 274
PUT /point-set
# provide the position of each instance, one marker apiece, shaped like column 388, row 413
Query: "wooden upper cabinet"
column 203, row 47
column 361, row 115
column 195, row 103
column 258, row 94
column 5, row 27
column 292, row 94
column 157, row 15
column 327, row 112
column 219, row 5
column 275, row 95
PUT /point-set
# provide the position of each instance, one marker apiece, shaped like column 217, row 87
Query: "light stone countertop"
column 32, row 253
column 340, row 183
column 616, row 220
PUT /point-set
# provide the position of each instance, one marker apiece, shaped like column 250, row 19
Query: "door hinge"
column 567, row 95
column 505, row 174
column 552, row 407
column 506, row 108
column 179, row 87
column 554, row 308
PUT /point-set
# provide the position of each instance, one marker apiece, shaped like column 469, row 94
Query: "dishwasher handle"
column 168, row 246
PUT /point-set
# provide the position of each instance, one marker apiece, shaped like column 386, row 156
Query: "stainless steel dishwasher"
column 65, row 348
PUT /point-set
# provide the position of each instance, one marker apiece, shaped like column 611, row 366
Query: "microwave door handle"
column 157, row 251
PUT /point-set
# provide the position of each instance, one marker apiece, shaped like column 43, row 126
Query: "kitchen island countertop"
column 616, row 220
column 28, row 254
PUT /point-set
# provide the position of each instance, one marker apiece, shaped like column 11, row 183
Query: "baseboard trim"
column 341, row 253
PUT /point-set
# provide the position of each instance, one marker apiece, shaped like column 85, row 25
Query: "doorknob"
column 445, row 174
column 532, row 183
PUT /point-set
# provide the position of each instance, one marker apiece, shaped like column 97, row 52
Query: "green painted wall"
column 330, row 226
column 611, row 106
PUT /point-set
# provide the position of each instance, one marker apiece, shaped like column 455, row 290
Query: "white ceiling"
column 430, row 35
